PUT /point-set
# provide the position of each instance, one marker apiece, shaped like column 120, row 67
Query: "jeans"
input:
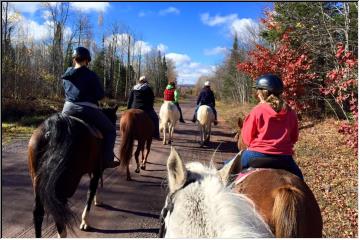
column 97, row 118
column 155, row 119
column 261, row 160
column 212, row 108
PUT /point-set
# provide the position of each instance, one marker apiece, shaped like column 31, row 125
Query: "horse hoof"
column 164, row 143
column 169, row 142
column 98, row 203
column 143, row 167
column 84, row 227
column 137, row 170
column 128, row 179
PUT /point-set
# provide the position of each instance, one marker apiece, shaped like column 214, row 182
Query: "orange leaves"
column 291, row 65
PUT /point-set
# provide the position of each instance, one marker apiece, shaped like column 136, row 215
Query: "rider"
column 172, row 94
column 271, row 129
column 82, row 93
column 142, row 97
column 206, row 97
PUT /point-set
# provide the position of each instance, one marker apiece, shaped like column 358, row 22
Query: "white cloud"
column 246, row 28
column 188, row 70
column 178, row 58
column 90, row 6
column 169, row 10
column 215, row 51
column 25, row 7
column 217, row 20
column 162, row 47
column 142, row 46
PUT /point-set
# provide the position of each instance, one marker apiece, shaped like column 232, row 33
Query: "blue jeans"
column 258, row 160
column 97, row 118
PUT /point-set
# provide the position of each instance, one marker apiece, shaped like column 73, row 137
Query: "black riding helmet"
column 80, row 54
column 270, row 82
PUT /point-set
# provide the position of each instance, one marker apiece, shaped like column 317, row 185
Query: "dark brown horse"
column 61, row 150
column 283, row 199
column 135, row 124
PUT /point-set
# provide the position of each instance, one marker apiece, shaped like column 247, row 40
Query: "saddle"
column 92, row 129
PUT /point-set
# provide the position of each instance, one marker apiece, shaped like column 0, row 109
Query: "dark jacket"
column 82, row 85
column 141, row 97
column 206, row 97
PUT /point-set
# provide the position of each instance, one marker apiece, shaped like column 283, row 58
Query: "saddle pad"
column 242, row 175
column 93, row 130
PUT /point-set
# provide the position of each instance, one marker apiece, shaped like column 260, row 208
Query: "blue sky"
column 193, row 34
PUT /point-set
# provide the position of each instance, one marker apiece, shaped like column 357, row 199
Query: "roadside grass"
column 21, row 117
column 329, row 166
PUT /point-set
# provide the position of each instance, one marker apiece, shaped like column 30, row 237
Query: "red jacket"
column 269, row 132
column 169, row 94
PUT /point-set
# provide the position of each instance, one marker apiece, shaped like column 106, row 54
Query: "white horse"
column 205, row 117
column 200, row 206
column 169, row 115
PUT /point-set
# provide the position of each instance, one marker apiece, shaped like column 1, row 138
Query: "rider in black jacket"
column 206, row 97
column 142, row 97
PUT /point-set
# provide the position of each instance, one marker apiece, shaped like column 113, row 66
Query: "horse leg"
column 171, row 132
column 38, row 215
column 164, row 134
column 97, row 198
column 61, row 228
column 137, row 153
column 91, row 193
column 208, row 132
column 148, row 145
column 128, row 178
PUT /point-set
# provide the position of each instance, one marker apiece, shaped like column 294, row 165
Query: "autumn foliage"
column 341, row 83
column 291, row 65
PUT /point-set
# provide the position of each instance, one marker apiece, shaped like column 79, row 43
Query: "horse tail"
column 287, row 210
column 58, row 136
column 127, row 142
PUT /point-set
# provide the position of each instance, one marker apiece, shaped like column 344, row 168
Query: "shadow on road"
column 113, row 231
column 142, row 214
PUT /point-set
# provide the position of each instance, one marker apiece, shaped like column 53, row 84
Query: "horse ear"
column 240, row 122
column 176, row 171
column 230, row 169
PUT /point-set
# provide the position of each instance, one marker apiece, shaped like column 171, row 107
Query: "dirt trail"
column 131, row 208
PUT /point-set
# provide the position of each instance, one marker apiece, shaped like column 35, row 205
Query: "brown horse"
column 284, row 200
column 61, row 150
column 135, row 124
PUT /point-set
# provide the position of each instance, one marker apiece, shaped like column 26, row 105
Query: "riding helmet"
column 80, row 54
column 270, row 82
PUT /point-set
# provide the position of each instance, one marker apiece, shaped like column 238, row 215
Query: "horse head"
column 200, row 206
column 110, row 112
column 238, row 138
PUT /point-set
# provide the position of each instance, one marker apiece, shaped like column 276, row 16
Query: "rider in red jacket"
column 172, row 94
column 270, row 130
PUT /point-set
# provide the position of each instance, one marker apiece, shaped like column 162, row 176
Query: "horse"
column 283, row 199
column 205, row 117
column 135, row 124
column 60, row 151
column 169, row 115
column 200, row 206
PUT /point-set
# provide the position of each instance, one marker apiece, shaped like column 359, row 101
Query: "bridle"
column 169, row 205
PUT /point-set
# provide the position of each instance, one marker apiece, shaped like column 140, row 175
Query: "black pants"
column 178, row 106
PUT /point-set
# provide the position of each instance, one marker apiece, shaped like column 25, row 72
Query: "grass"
column 329, row 166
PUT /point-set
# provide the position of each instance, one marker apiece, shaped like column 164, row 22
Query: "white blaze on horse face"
column 176, row 171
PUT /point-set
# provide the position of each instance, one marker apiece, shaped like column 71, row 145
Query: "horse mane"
column 213, row 210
